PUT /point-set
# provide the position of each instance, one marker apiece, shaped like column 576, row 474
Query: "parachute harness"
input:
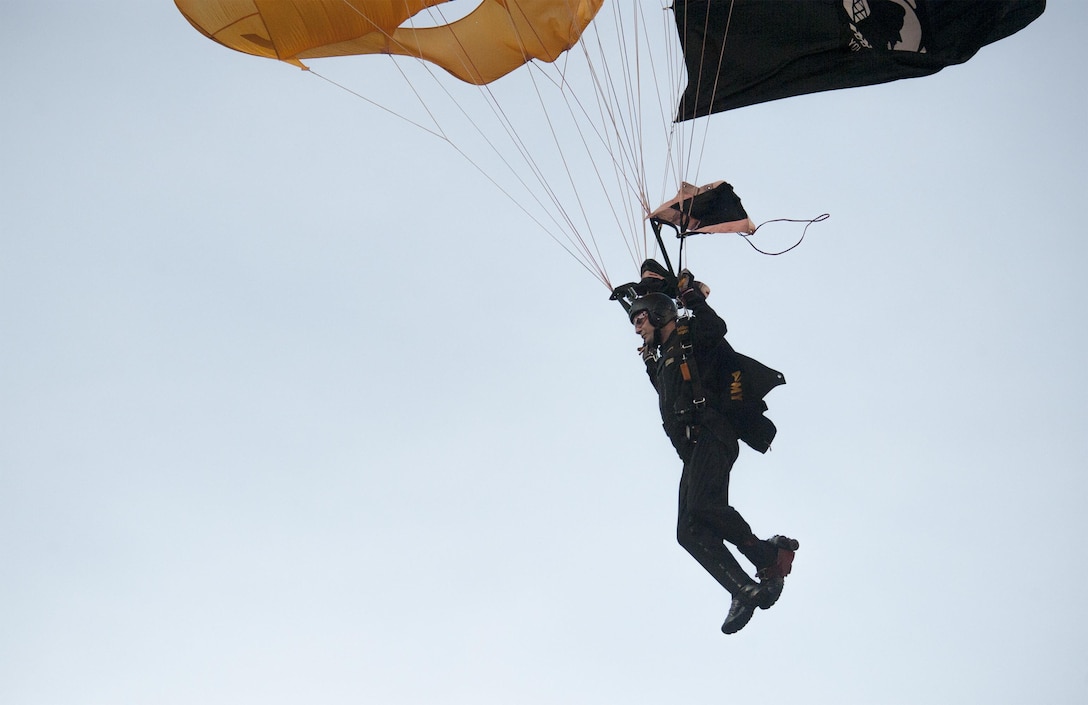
column 690, row 373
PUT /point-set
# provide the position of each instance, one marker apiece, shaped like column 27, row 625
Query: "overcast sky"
column 295, row 406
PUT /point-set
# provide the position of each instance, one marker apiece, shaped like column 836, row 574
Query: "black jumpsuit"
column 705, row 439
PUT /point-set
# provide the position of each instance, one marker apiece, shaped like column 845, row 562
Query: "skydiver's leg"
column 707, row 496
column 707, row 518
column 705, row 545
column 699, row 517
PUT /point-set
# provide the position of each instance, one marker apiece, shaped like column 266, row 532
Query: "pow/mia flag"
column 742, row 52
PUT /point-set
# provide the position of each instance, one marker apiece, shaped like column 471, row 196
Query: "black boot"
column 741, row 609
column 746, row 593
column 772, row 577
column 717, row 560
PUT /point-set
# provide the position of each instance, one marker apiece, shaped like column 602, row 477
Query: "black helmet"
column 659, row 308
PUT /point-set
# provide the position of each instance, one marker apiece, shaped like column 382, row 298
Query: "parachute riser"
column 656, row 225
column 626, row 293
column 681, row 235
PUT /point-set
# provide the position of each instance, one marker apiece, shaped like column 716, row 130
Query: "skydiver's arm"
column 710, row 323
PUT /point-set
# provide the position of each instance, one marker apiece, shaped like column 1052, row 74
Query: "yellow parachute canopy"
column 490, row 42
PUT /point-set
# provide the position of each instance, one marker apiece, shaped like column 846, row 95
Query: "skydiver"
column 709, row 397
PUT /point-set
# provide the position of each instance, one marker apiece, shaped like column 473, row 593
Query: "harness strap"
column 688, row 369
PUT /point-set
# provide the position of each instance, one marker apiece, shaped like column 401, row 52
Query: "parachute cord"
column 714, row 85
column 673, row 81
column 438, row 126
column 493, row 104
column 621, row 142
column 676, row 131
column 439, row 134
column 590, row 257
column 817, row 219
column 584, row 255
column 597, row 274
column 620, row 138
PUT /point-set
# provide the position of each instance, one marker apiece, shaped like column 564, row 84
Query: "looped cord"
column 808, row 222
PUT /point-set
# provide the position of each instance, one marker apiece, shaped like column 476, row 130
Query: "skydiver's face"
column 643, row 328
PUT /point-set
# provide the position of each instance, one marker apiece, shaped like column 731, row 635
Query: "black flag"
column 742, row 52
column 714, row 208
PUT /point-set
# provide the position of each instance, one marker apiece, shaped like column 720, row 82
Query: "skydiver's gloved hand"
column 648, row 353
column 655, row 278
column 691, row 290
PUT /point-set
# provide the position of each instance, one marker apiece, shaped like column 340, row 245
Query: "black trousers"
column 705, row 519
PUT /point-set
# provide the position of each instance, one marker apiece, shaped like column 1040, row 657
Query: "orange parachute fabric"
column 490, row 42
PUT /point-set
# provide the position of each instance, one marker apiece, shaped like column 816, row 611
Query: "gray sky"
column 296, row 407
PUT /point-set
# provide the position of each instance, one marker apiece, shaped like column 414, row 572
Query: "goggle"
column 640, row 317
